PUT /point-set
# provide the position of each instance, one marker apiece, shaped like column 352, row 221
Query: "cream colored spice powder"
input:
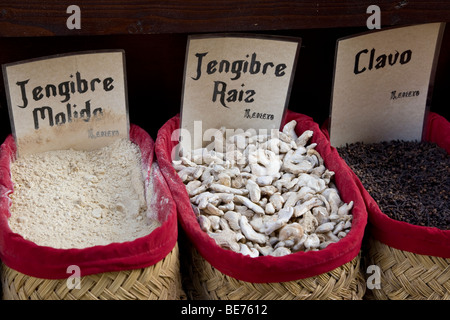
column 77, row 199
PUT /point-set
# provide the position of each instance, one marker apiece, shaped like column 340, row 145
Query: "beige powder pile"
column 77, row 199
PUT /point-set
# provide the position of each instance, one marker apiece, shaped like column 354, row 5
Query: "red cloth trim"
column 267, row 269
column 438, row 131
column 402, row 235
column 50, row 263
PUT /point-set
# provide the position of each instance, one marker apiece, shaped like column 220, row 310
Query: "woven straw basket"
column 409, row 276
column 161, row 281
column 204, row 282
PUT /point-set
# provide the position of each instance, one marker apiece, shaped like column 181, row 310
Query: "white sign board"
column 76, row 101
column 381, row 84
column 237, row 82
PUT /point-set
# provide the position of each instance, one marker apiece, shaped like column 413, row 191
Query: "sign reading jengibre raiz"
column 235, row 82
column 72, row 101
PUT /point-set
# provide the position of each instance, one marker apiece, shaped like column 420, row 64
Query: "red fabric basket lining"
column 402, row 235
column 51, row 263
column 268, row 269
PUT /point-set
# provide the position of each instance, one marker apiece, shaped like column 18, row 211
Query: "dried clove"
column 409, row 180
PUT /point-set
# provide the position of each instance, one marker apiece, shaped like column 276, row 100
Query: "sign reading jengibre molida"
column 235, row 82
column 381, row 84
column 72, row 101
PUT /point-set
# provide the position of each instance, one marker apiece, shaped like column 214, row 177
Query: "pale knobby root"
column 264, row 195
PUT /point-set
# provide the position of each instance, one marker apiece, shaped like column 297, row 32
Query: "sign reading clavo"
column 381, row 84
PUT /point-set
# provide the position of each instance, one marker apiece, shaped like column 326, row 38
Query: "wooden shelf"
column 48, row 18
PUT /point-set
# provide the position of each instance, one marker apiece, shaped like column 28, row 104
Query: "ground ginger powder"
column 76, row 199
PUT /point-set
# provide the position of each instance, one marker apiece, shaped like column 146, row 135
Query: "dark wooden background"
column 154, row 34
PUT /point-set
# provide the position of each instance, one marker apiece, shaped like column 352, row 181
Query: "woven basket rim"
column 416, row 239
column 197, row 276
column 408, row 275
column 171, row 276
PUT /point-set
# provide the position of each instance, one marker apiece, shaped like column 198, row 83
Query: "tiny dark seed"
column 409, row 180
